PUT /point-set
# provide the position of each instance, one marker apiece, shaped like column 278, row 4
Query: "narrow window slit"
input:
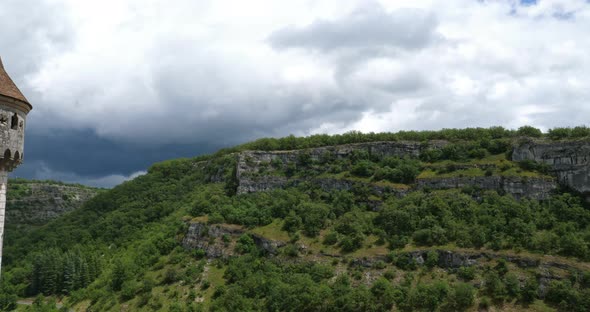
column 14, row 122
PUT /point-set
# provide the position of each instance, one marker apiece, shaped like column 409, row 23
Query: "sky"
column 117, row 85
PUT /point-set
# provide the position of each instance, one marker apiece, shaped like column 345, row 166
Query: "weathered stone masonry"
column 14, row 108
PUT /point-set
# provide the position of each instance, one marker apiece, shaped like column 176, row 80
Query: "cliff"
column 253, row 167
column 37, row 202
column 568, row 160
column 219, row 240
column 264, row 170
column 535, row 188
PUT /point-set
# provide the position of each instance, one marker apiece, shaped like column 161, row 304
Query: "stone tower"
column 14, row 108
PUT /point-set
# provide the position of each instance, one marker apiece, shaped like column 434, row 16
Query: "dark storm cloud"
column 82, row 156
column 369, row 27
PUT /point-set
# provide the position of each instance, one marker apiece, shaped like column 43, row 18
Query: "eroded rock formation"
column 252, row 165
column 39, row 202
column 570, row 161
column 519, row 187
column 219, row 240
column 256, row 171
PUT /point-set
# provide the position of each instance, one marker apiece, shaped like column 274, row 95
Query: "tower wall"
column 12, row 134
column 3, row 187
column 14, row 108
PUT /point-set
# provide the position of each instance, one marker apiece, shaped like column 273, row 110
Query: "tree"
column 313, row 216
column 494, row 286
column 363, row 168
column 383, row 292
column 395, row 221
column 460, row 298
column 431, row 259
column 292, row 222
column 529, row 132
column 512, row 285
column 530, row 290
column 245, row 244
column 119, row 274
column 428, row 296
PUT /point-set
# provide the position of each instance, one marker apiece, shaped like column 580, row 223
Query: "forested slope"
column 431, row 221
column 35, row 202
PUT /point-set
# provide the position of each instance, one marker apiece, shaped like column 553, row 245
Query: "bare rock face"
column 252, row 167
column 257, row 171
column 570, row 161
column 40, row 202
column 262, row 183
column 218, row 240
column 535, row 188
column 210, row 238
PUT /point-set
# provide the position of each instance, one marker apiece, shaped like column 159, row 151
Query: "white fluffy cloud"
column 154, row 71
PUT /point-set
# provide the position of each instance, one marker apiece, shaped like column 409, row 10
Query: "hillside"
column 454, row 220
column 34, row 202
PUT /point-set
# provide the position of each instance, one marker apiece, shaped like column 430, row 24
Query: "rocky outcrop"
column 326, row 184
column 347, row 185
column 262, row 184
column 519, row 187
column 219, row 240
column 454, row 259
column 216, row 240
column 538, row 188
column 37, row 203
column 380, row 149
column 254, row 168
column 569, row 160
column 270, row 246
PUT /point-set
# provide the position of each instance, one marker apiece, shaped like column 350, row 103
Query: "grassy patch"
column 398, row 186
column 272, row 231
column 215, row 278
column 427, row 174
column 200, row 219
column 371, row 249
column 517, row 172
column 471, row 172
column 349, row 177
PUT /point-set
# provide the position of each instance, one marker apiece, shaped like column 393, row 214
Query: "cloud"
column 32, row 31
column 86, row 154
column 117, row 85
column 44, row 172
column 366, row 28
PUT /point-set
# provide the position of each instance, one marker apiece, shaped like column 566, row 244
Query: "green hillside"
column 427, row 221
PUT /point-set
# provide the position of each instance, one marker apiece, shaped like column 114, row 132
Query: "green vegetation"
column 498, row 138
column 568, row 133
column 16, row 182
column 359, row 247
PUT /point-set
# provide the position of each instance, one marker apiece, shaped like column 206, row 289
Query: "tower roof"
column 8, row 88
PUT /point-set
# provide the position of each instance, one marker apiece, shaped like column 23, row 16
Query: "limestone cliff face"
column 535, row 188
column 219, row 240
column 253, row 177
column 256, row 171
column 570, row 161
column 210, row 239
column 39, row 202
